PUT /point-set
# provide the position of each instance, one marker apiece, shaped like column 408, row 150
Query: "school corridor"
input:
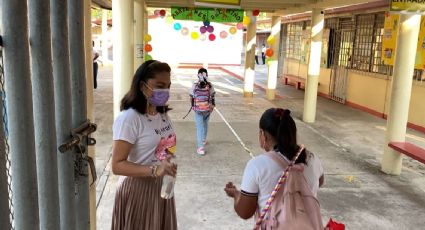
column 349, row 143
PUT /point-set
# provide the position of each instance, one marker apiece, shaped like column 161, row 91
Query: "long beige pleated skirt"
column 139, row 206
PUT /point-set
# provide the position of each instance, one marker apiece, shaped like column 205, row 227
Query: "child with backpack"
column 285, row 170
column 202, row 97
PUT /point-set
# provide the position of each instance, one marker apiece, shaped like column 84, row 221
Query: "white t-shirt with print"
column 262, row 174
column 148, row 134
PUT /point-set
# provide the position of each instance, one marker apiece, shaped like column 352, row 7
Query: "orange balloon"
column 148, row 48
column 269, row 52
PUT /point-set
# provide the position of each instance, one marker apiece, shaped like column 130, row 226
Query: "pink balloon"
column 211, row 37
column 157, row 13
column 203, row 29
column 239, row 26
column 223, row 34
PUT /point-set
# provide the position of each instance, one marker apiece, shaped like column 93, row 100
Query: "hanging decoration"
column 239, row 26
column 246, row 20
column 202, row 37
column 162, row 13
column 223, row 34
column 169, row 19
column 148, row 57
column 177, row 26
column 185, row 31
column 148, row 48
column 206, row 23
column 203, row 29
column 211, row 37
column 271, row 40
column 207, row 14
column 156, row 13
column 194, row 35
column 210, row 29
column 147, row 38
column 269, row 52
column 232, row 30
column 255, row 13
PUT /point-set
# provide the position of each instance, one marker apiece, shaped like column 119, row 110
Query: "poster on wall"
column 407, row 6
column 305, row 46
column 207, row 14
column 389, row 38
column 325, row 48
column 420, row 52
column 389, row 41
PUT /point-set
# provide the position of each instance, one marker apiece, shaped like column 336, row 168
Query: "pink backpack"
column 292, row 204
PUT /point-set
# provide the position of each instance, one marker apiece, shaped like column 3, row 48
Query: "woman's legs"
column 205, row 123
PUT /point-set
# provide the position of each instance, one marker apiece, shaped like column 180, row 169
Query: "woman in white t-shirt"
column 278, row 134
column 143, row 143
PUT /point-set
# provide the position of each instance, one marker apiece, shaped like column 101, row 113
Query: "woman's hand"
column 167, row 168
column 231, row 190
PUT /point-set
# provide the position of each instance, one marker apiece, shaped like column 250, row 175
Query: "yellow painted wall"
column 372, row 91
column 417, row 105
column 367, row 91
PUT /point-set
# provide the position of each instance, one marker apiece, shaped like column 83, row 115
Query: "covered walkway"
column 349, row 143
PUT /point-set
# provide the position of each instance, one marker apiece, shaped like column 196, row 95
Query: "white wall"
column 171, row 46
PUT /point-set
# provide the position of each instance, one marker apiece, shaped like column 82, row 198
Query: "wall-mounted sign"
column 207, row 14
column 412, row 6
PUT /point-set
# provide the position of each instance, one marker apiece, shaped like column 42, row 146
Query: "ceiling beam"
column 323, row 4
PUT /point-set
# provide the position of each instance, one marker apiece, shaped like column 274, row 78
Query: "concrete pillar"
column 401, row 90
column 16, row 54
column 88, row 45
column 139, row 20
column 274, row 62
column 310, row 98
column 122, row 15
column 105, row 57
column 250, row 46
column 44, row 113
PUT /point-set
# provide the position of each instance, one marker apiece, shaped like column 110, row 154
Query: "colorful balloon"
column 206, row 23
column 255, row 12
column 169, row 19
column 148, row 48
column 185, row 31
column 239, row 26
column 162, row 13
column 211, row 37
column 210, row 29
column 246, row 20
column 269, row 52
column 177, row 26
column 202, row 37
column 233, row 30
column 271, row 40
column 203, row 29
column 148, row 57
column 156, row 13
column 223, row 34
column 194, row 35
column 147, row 38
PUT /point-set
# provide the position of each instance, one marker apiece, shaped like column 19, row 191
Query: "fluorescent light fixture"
column 217, row 5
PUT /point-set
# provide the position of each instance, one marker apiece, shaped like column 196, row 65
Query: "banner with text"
column 207, row 14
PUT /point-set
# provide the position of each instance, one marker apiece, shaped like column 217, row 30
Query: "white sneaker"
column 200, row 151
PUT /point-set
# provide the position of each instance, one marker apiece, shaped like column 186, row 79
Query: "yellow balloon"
column 271, row 40
column 194, row 35
column 246, row 20
column 233, row 30
column 148, row 38
column 169, row 20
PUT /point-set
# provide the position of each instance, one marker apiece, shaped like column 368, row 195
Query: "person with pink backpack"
column 285, row 172
column 202, row 96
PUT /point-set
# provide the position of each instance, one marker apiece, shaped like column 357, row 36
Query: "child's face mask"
column 202, row 76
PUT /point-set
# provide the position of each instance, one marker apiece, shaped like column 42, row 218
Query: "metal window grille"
column 363, row 43
column 294, row 36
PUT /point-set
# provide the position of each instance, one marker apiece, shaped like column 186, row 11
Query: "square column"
column 251, row 39
column 273, row 64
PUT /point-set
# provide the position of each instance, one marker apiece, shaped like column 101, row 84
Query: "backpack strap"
column 276, row 189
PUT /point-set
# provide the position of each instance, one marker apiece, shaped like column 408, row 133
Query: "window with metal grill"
column 293, row 40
